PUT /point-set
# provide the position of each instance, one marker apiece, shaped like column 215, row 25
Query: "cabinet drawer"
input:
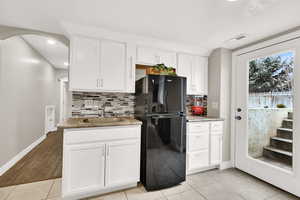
column 84, row 135
column 216, row 126
column 197, row 160
column 198, row 142
column 196, row 127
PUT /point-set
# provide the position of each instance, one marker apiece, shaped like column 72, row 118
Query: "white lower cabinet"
column 197, row 160
column 82, row 159
column 122, row 164
column 216, row 148
column 100, row 160
column 204, row 145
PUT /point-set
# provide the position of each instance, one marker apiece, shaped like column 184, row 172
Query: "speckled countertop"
column 193, row 118
column 98, row 122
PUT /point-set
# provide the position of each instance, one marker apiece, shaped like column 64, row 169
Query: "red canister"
column 197, row 110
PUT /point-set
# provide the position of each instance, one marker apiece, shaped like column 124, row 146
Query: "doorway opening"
column 32, row 69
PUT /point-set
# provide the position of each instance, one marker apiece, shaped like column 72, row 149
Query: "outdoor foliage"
column 271, row 74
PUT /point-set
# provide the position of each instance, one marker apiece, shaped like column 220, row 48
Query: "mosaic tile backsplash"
column 87, row 104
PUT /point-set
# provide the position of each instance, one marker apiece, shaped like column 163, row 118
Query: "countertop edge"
column 202, row 119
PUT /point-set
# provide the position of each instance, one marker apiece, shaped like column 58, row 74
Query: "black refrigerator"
column 161, row 106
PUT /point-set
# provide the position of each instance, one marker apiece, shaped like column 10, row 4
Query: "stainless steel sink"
column 100, row 120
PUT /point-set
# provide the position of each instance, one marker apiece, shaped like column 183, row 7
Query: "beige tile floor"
column 229, row 184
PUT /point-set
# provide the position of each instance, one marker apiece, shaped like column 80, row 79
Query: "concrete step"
column 282, row 139
column 280, row 143
column 282, row 152
column 290, row 115
column 285, row 133
column 285, row 129
column 287, row 123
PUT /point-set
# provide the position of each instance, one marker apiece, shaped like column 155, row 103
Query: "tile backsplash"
column 87, row 104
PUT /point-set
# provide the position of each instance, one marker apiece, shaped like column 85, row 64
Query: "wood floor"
column 42, row 163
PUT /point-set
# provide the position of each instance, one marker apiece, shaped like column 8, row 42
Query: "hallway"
column 42, row 163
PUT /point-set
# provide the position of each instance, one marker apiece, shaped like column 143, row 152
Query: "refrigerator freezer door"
column 165, row 152
column 166, row 94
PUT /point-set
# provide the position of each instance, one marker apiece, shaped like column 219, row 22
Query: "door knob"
column 238, row 118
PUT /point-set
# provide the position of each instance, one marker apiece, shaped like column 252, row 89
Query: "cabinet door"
column 184, row 68
column 113, row 66
column 147, row 56
column 198, row 142
column 216, row 148
column 122, row 162
column 197, row 160
column 153, row 56
column 168, row 58
column 84, row 166
column 201, row 75
column 84, row 66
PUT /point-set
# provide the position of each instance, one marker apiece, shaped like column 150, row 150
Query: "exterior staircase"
column 281, row 146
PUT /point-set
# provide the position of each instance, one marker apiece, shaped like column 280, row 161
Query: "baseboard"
column 90, row 192
column 203, row 169
column 226, row 165
column 20, row 155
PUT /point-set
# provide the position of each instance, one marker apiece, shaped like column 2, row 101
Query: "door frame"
column 277, row 40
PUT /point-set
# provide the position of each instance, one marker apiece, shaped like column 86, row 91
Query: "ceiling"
column 208, row 23
column 54, row 51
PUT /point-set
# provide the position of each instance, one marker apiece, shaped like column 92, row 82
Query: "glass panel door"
column 270, row 109
column 267, row 90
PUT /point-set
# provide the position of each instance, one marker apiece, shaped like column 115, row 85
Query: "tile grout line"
column 50, row 190
column 193, row 188
column 126, row 194
column 14, row 188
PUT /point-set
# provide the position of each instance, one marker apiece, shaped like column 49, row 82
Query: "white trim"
column 203, row 169
column 271, row 42
column 235, row 55
column 233, row 107
column 226, row 165
column 20, row 155
column 97, row 191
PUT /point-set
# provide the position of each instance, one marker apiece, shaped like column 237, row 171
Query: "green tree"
column 270, row 74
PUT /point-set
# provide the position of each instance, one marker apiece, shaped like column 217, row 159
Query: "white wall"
column 62, row 74
column 27, row 85
column 219, row 92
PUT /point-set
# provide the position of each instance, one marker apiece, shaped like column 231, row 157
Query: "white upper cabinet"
column 101, row 65
column 185, row 68
column 194, row 68
column 112, row 66
column 153, row 56
column 84, row 66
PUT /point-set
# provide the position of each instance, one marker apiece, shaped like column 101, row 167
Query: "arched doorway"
column 31, row 70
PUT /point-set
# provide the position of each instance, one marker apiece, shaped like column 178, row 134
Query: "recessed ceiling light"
column 66, row 64
column 52, row 42
column 31, row 60
column 232, row 0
